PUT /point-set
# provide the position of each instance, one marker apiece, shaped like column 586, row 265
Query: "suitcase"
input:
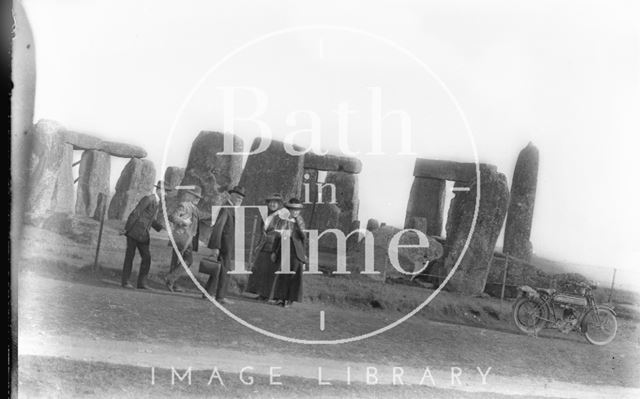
column 209, row 266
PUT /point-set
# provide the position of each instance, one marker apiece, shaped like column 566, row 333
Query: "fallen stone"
column 410, row 259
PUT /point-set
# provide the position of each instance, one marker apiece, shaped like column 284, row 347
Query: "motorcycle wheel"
column 599, row 328
column 529, row 315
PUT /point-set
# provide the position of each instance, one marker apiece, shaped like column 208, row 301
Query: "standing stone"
column 309, row 195
column 346, row 185
column 471, row 275
column 523, row 198
column 93, row 179
column 417, row 223
column 173, row 177
column 353, row 240
column 47, row 160
column 213, row 172
column 426, row 200
column 62, row 200
column 271, row 171
column 136, row 181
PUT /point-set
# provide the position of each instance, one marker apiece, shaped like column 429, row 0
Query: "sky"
column 564, row 75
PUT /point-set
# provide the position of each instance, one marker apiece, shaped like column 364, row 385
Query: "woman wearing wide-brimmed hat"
column 287, row 288
column 264, row 269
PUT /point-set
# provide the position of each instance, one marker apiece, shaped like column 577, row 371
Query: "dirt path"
column 77, row 317
column 332, row 371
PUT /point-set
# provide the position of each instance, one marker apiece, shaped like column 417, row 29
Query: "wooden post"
column 504, row 279
column 613, row 279
column 253, row 239
column 104, row 212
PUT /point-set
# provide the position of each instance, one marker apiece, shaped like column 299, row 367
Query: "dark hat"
column 238, row 190
column 294, row 203
column 196, row 191
column 274, row 197
column 161, row 184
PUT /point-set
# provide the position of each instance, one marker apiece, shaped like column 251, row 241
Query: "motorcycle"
column 538, row 308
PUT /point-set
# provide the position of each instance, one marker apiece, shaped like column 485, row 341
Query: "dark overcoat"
column 142, row 218
column 223, row 234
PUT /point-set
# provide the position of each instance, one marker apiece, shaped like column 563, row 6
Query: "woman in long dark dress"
column 263, row 270
column 288, row 287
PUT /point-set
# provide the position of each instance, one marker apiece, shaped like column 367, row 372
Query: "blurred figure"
column 264, row 269
column 186, row 234
column 288, row 287
column 222, row 243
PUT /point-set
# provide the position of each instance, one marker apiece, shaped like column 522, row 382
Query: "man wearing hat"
column 140, row 220
column 222, row 243
column 186, row 233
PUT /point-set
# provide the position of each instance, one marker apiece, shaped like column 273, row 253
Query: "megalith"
column 213, row 172
column 83, row 141
column 49, row 170
column 346, row 185
column 523, row 197
column 273, row 170
column 331, row 202
column 63, row 194
column 93, row 179
column 426, row 205
column 173, row 176
column 136, row 180
column 471, row 274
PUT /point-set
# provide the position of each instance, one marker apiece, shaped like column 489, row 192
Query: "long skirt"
column 262, row 275
column 288, row 287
